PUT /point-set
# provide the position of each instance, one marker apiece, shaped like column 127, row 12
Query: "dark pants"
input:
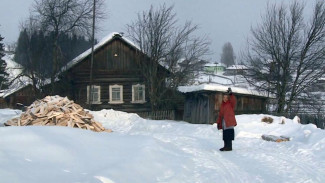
column 228, row 136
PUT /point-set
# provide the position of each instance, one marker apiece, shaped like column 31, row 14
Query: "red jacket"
column 227, row 112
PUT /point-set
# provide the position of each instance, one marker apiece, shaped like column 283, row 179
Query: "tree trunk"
column 55, row 62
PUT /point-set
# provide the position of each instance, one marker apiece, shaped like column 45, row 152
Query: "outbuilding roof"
column 237, row 67
column 220, row 88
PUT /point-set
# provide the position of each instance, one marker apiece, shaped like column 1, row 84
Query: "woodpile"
column 57, row 111
column 274, row 138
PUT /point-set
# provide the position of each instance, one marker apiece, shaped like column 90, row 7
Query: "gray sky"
column 221, row 20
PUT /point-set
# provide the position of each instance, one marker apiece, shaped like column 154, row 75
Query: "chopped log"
column 108, row 130
column 71, row 123
column 274, row 138
column 12, row 122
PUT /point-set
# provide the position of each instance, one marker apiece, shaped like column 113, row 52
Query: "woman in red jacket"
column 226, row 120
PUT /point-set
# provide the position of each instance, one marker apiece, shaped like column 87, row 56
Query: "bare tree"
column 286, row 53
column 164, row 43
column 227, row 55
column 65, row 16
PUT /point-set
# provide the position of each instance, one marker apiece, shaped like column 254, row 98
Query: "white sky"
column 221, row 20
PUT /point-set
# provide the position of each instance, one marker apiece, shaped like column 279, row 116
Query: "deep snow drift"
column 146, row 151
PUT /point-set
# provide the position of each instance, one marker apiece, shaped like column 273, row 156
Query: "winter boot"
column 228, row 146
column 224, row 146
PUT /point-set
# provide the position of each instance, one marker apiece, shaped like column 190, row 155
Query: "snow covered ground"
column 147, row 151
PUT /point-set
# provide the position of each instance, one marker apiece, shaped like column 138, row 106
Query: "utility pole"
column 92, row 58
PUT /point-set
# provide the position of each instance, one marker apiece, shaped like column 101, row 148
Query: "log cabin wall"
column 199, row 108
column 246, row 104
column 3, row 103
column 203, row 107
column 114, row 64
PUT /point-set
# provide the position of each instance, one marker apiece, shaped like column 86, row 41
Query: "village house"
column 214, row 68
column 236, row 70
column 202, row 102
column 117, row 79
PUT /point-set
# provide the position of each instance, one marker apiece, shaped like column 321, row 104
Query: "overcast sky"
column 221, row 20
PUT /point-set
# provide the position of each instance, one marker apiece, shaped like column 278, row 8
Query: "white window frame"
column 110, row 94
column 88, row 89
column 144, row 93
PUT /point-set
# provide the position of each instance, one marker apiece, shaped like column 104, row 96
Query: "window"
column 116, row 94
column 95, row 94
column 138, row 93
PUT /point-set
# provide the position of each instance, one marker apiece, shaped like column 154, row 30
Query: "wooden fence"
column 159, row 115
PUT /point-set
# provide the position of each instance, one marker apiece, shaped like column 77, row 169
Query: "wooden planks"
column 57, row 111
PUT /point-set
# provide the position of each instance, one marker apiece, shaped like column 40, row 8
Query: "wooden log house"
column 21, row 95
column 118, row 82
column 202, row 102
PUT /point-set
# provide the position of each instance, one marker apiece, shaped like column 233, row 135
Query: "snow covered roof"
column 237, row 67
column 101, row 43
column 214, row 65
column 210, row 65
column 7, row 92
column 14, row 70
column 211, row 78
column 220, row 88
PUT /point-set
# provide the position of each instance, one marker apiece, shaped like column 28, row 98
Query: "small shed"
column 20, row 89
column 202, row 102
column 23, row 95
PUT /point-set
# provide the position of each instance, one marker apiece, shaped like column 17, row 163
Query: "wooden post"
column 92, row 57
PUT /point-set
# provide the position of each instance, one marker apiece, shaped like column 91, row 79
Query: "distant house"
column 20, row 89
column 214, row 68
column 202, row 102
column 236, row 70
column 118, row 82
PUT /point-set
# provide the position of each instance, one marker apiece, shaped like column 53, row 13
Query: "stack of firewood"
column 57, row 111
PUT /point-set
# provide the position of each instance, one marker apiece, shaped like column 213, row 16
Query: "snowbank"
column 6, row 114
column 142, row 150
